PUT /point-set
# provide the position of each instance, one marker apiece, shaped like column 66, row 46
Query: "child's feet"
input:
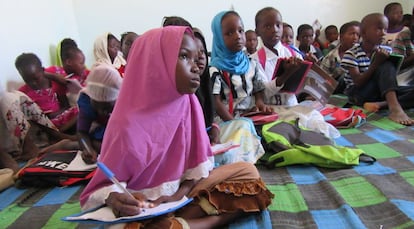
column 7, row 161
column 401, row 117
column 371, row 107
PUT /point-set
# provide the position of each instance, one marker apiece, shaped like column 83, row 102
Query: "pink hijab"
column 155, row 134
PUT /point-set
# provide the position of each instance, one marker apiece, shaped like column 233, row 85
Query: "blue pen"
column 108, row 173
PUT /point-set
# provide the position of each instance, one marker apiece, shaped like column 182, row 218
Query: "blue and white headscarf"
column 221, row 57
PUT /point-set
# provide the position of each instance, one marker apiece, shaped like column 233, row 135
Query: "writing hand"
column 123, row 204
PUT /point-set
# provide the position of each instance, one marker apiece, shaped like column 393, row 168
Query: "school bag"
column 51, row 169
column 288, row 144
column 344, row 117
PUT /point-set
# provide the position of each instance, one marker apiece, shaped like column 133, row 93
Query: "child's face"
column 251, row 42
column 375, row 31
column 76, row 64
column 127, row 42
column 187, row 78
column 114, row 47
column 332, row 34
column 202, row 58
column 306, row 38
column 104, row 109
column 233, row 32
column 395, row 15
column 32, row 75
column 350, row 37
column 287, row 36
column 270, row 28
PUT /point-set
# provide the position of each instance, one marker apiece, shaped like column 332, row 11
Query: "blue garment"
column 221, row 57
column 87, row 115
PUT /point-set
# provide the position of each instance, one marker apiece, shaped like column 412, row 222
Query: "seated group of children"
column 66, row 101
column 226, row 88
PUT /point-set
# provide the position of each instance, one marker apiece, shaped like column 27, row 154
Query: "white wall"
column 34, row 26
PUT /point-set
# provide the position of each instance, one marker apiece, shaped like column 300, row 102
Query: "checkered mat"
column 366, row 196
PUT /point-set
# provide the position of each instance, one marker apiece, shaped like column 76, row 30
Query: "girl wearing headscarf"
column 239, row 131
column 238, row 87
column 107, row 50
column 96, row 103
column 157, row 146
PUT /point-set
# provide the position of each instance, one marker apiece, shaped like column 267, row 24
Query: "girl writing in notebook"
column 170, row 155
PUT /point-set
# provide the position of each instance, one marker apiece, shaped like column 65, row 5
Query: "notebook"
column 295, row 82
column 104, row 215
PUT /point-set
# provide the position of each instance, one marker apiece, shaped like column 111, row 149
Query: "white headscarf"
column 100, row 51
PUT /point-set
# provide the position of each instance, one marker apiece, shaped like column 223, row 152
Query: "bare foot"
column 6, row 161
column 401, row 117
column 371, row 106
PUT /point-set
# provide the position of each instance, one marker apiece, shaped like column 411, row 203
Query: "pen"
column 85, row 145
column 110, row 175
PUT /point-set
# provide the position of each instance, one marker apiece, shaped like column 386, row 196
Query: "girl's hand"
column 311, row 57
column 214, row 135
column 89, row 157
column 123, row 205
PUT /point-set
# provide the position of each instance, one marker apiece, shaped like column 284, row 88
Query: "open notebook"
column 104, row 215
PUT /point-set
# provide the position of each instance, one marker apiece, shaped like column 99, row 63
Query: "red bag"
column 260, row 118
column 343, row 117
column 49, row 170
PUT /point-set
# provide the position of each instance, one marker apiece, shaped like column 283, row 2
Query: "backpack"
column 343, row 117
column 287, row 144
column 50, row 169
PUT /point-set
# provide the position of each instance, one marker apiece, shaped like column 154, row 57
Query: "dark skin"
column 373, row 28
column 123, row 205
column 93, row 147
column 270, row 29
column 235, row 40
column 35, row 77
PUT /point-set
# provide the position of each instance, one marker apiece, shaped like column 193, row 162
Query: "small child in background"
column 269, row 26
column 331, row 35
column 237, row 86
column 49, row 95
column 127, row 39
column 288, row 35
column 331, row 63
column 107, row 50
column 394, row 13
column 371, row 82
column 251, row 42
column 305, row 37
column 96, row 103
column 404, row 45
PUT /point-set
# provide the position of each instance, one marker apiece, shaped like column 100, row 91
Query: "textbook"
column 104, row 215
column 223, row 147
column 295, row 82
column 310, row 79
column 319, row 84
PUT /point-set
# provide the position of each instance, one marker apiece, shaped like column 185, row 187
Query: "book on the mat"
column 104, row 215
column 319, row 84
column 223, row 147
column 295, row 82
column 396, row 59
column 77, row 164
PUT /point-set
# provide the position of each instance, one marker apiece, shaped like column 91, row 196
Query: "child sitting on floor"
column 371, row 82
column 107, row 50
column 96, row 103
column 49, row 95
column 237, row 86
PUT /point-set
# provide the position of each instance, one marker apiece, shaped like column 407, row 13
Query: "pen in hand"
column 111, row 176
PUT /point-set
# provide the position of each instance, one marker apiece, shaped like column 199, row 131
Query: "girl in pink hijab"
column 156, row 144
